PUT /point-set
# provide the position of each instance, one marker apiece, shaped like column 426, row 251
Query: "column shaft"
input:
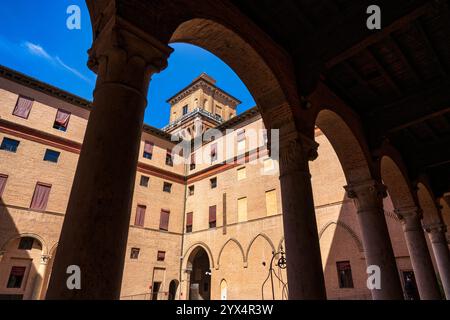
column 368, row 198
column 418, row 253
column 95, row 229
column 304, row 264
column 441, row 253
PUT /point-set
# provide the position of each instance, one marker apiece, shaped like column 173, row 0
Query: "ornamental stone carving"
column 410, row 218
column 367, row 195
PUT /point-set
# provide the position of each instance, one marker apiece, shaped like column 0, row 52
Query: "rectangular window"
column 167, row 187
column 16, row 277
column 9, row 145
column 3, row 179
column 212, row 216
column 192, row 165
column 213, row 152
column 140, row 216
column 213, row 183
column 241, row 140
column 169, row 158
column 51, row 155
column 62, row 120
column 219, row 111
column 23, row 107
column 344, row 271
column 144, row 181
column 26, row 243
column 164, row 220
column 191, row 190
column 241, row 174
column 134, row 253
column 161, row 256
column 185, row 110
column 242, row 209
column 148, row 150
column 271, row 203
column 40, row 196
column 189, row 220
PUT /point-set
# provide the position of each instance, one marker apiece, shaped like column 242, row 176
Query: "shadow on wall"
column 20, row 259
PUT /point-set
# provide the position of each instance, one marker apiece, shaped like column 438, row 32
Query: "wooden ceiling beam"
column 378, row 36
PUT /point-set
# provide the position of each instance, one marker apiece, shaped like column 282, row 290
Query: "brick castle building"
column 198, row 230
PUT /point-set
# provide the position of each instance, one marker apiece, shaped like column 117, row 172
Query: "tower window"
column 185, row 110
column 191, row 190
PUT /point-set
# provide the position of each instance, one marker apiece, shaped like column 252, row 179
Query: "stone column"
column 95, row 229
column 436, row 232
column 304, row 263
column 418, row 252
column 368, row 198
column 39, row 280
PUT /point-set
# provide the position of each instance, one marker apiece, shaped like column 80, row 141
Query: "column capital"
column 123, row 53
column 373, row 187
column 410, row 217
column 367, row 195
column 296, row 149
column 435, row 228
column 436, row 232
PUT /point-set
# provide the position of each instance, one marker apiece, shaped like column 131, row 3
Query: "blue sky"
column 34, row 40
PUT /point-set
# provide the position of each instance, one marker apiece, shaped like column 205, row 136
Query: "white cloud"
column 73, row 70
column 39, row 51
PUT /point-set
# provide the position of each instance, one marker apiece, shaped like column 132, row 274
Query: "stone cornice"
column 202, row 83
column 45, row 88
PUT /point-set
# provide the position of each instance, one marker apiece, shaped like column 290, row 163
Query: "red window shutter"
column 18, row 271
column 212, row 214
column 148, row 147
column 23, row 107
column 241, row 135
column 40, row 196
column 62, row 118
column 189, row 219
column 140, row 216
column 164, row 220
column 3, row 179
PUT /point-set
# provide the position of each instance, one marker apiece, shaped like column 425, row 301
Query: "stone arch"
column 260, row 235
column 347, row 139
column 188, row 253
column 427, row 202
column 347, row 228
column 231, row 240
column 265, row 68
column 394, row 176
column 249, row 63
column 23, row 235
